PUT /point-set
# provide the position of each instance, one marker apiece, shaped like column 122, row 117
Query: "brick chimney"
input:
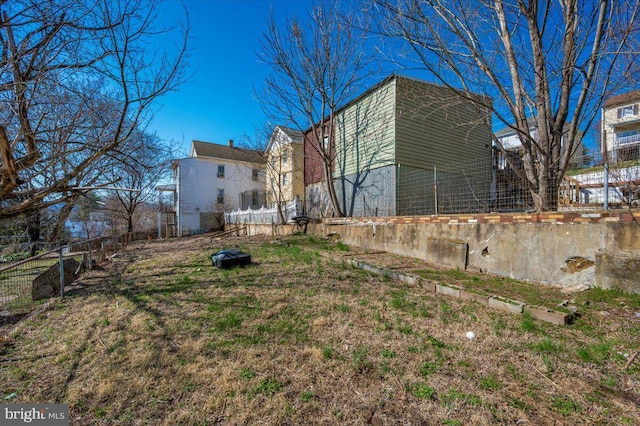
column 231, row 143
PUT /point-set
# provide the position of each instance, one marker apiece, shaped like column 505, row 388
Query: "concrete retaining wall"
column 554, row 248
column 557, row 248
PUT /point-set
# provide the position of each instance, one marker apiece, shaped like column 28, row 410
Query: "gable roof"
column 624, row 98
column 225, row 152
column 294, row 135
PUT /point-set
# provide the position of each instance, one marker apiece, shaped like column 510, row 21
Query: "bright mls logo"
column 35, row 414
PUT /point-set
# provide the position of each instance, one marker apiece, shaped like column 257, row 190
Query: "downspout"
column 605, row 158
column 179, row 201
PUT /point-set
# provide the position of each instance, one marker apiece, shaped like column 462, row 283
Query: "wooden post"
column 61, row 269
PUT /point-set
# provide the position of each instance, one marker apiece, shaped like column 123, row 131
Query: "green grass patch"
column 490, row 383
column 267, row 386
column 596, row 354
column 546, row 346
column 455, row 396
column 423, row 391
column 566, row 406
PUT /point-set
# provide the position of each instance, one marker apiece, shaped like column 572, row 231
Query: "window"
column 220, row 170
column 325, row 143
column 285, row 156
column 284, row 179
column 628, row 111
column 254, row 174
column 254, row 198
column 220, row 198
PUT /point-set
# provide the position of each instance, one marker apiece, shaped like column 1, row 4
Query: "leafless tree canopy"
column 318, row 64
column 138, row 165
column 553, row 62
column 76, row 79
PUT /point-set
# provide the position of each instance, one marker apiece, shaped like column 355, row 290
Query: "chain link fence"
column 493, row 185
column 25, row 283
column 602, row 184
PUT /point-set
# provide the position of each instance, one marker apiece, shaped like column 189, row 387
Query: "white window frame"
column 628, row 111
column 221, row 171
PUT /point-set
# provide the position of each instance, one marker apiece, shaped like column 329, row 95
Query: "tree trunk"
column 33, row 229
column 331, row 189
column 65, row 211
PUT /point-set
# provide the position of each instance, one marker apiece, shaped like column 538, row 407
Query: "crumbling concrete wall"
column 618, row 270
column 47, row 284
column 556, row 248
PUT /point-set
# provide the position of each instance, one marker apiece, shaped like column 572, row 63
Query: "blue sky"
column 217, row 103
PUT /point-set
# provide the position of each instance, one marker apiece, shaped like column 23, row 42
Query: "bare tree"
column 550, row 61
column 140, row 163
column 76, row 78
column 317, row 65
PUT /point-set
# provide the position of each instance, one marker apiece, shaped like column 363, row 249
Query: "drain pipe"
column 605, row 154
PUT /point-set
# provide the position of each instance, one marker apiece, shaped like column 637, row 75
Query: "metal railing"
column 24, row 283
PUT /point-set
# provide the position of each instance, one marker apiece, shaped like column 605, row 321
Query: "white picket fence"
column 264, row 215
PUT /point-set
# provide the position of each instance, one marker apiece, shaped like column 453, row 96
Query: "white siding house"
column 621, row 127
column 510, row 141
column 215, row 178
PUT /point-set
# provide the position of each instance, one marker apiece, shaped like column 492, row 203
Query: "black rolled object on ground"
column 230, row 258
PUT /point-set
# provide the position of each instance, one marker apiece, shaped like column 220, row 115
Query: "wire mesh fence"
column 602, row 184
column 24, row 283
column 493, row 185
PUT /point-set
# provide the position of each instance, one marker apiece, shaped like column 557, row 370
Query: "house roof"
column 508, row 131
column 623, row 98
column 392, row 77
column 225, row 152
column 417, row 80
column 295, row 135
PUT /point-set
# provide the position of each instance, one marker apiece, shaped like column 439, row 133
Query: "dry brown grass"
column 160, row 337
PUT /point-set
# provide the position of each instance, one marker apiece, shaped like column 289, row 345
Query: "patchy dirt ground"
column 159, row 336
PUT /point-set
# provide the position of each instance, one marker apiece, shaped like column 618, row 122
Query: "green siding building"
column 391, row 141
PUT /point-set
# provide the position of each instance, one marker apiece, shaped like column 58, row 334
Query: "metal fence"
column 600, row 184
column 20, row 281
column 493, row 185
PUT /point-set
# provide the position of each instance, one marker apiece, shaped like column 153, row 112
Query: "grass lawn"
column 159, row 336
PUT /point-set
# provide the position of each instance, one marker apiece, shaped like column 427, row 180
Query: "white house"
column 621, row 126
column 215, row 178
column 510, row 141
